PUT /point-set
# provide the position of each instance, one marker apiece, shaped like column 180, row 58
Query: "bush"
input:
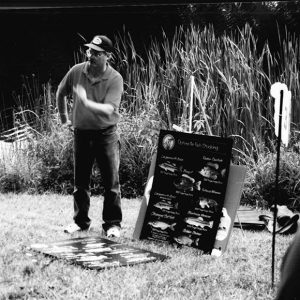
column 52, row 157
column 12, row 182
column 46, row 165
column 232, row 99
column 260, row 185
column 138, row 143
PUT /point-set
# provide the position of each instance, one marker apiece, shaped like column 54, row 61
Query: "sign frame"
column 182, row 157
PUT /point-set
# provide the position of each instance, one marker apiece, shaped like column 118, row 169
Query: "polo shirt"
column 105, row 89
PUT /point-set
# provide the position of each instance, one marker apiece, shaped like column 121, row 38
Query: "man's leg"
column 289, row 288
column 108, row 159
column 83, row 162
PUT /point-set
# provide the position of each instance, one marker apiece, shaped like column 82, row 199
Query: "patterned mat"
column 97, row 253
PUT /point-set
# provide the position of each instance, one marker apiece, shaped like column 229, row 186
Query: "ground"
column 242, row 272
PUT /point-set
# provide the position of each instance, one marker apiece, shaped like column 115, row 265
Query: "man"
column 96, row 89
column 289, row 288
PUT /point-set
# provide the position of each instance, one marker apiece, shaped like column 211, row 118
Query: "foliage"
column 260, row 182
column 262, row 16
column 52, row 157
column 231, row 82
column 138, row 143
column 231, row 99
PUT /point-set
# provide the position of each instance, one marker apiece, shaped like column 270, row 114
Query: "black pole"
column 276, row 186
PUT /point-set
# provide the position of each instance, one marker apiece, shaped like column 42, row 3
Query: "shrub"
column 232, row 99
column 15, row 168
column 260, row 185
column 51, row 155
column 46, row 165
column 139, row 136
column 12, row 182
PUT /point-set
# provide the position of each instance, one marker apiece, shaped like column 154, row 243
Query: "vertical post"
column 276, row 186
column 191, row 104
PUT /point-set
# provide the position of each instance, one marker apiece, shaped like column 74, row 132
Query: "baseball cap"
column 100, row 43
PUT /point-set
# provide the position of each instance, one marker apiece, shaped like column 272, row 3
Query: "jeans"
column 102, row 146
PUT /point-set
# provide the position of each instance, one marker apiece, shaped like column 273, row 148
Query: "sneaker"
column 113, row 232
column 72, row 228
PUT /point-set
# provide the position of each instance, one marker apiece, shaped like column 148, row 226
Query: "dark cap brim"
column 92, row 46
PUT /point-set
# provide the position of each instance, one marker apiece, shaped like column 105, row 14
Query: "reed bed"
column 231, row 98
column 233, row 80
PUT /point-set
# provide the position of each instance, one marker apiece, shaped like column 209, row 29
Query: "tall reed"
column 232, row 76
column 231, row 99
column 288, row 57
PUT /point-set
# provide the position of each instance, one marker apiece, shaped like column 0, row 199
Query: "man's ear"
column 109, row 55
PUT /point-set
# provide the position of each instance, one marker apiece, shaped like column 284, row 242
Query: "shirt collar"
column 105, row 76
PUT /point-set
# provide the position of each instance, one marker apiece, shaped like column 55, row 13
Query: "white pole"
column 191, row 103
column 197, row 95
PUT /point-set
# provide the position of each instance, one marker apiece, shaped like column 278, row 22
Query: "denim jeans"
column 102, row 146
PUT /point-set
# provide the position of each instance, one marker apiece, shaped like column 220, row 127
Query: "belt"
column 106, row 130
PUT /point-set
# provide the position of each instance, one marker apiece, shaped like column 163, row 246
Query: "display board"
column 188, row 191
column 97, row 253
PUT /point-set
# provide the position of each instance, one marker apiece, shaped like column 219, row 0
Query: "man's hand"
column 80, row 91
column 96, row 108
column 68, row 125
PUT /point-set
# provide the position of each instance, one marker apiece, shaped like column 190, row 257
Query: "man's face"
column 96, row 58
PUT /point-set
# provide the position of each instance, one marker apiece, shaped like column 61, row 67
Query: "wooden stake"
column 191, row 104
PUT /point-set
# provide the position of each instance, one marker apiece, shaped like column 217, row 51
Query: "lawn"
column 243, row 272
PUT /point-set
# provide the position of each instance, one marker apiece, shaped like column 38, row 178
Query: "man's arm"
column 61, row 101
column 62, row 107
column 64, row 90
column 97, row 108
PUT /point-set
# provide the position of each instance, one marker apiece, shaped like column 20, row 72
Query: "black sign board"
column 188, row 190
column 97, row 253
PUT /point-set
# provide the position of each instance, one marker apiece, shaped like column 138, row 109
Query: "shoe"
column 113, row 232
column 72, row 228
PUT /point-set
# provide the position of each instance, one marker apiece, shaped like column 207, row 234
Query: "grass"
column 243, row 272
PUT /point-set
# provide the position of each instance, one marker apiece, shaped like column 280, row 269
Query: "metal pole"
column 276, row 186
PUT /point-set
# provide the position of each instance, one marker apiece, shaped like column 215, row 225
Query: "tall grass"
column 43, row 162
column 231, row 99
column 289, row 63
column 232, row 76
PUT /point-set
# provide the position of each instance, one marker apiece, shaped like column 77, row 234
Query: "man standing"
column 289, row 288
column 96, row 89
